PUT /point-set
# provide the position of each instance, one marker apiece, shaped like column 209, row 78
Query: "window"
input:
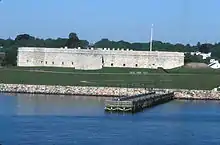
column 45, row 62
column 136, row 65
column 52, row 62
column 62, row 63
column 27, row 60
column 72, row 63
column 123, row 64
column 41, row 61
column 111, row 64
column 103, row 60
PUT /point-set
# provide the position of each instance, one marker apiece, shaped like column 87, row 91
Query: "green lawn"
column 176, row 78
column 104, row 70
column 125, row 70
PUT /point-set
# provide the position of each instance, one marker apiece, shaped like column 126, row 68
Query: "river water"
column 68, row 120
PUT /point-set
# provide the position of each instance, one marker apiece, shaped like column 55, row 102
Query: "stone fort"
column 97, row 58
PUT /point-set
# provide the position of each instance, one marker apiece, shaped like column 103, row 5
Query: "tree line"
column 10, row 46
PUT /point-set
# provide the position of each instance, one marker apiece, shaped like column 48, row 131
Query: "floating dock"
column 137, row 103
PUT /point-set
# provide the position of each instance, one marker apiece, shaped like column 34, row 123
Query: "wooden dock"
column 137, row 102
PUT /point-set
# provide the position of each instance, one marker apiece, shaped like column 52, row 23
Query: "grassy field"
column 182, row 70
column 176, row 78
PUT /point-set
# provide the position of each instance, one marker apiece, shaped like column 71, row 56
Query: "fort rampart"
column 90, row 59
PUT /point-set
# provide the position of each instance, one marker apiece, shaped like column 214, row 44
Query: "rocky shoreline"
column 106, row 91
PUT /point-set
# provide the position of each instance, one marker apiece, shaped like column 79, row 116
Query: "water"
column 67, row 120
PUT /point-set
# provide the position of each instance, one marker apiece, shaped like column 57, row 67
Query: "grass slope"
column 175, row 78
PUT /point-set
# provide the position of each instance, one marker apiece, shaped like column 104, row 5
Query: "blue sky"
column 185, row 21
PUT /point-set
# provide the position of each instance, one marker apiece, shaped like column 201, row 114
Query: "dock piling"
column 137, row 103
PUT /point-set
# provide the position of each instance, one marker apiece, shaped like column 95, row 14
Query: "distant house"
column 204, row 55
column 214, row 64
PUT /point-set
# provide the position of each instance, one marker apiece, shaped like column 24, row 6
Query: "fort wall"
column 97, row 58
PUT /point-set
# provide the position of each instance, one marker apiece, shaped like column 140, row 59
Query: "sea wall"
column 70, row 90
column 106, row 91
column 197, row 94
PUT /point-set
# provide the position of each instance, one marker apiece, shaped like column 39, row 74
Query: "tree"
column 193, row 58
column 216, row 51
column 73, row 41
column 103, row 43
column 10, row 57
column 205, row 48
column 25, row 40
column 84, row 44
column 198, row 45
column 24, row 37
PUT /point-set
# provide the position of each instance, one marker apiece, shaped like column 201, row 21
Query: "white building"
column 204, row 55
column 214, row 64
column 97, row 58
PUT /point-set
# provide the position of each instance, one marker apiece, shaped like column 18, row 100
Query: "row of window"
column 136, row 65
column 124, row 64
column 73, row 63
column 51, row 63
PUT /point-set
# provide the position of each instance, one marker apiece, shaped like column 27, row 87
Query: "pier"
column 137, row 103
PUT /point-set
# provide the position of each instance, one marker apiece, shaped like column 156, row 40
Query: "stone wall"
column 92, row 61
column 106, row 91
column 197, row 95
column 97, row 58
column 70, row 90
